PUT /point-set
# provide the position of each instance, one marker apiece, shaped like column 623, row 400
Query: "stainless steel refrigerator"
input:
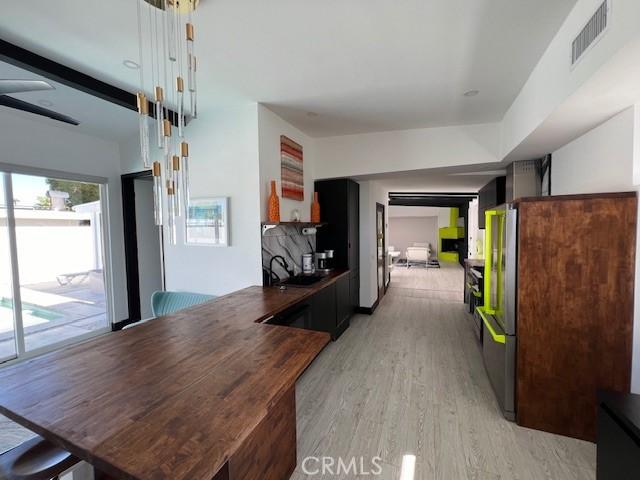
column 498, row 314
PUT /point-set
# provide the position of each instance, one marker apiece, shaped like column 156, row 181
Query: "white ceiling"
column 466, row 179
column 361, row 65
column 97, row 117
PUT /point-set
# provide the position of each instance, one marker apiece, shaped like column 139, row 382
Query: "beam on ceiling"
column 27, row 60
column 431, row 200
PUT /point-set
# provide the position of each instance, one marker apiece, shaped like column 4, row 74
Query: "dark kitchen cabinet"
column 618, row 440
column 324, row 310
column 340, row 209
column 343, row 302
column 353, row 222
column 490, row 196
column 354, row 290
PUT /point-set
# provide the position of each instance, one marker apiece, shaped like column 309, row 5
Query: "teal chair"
column 165, row 303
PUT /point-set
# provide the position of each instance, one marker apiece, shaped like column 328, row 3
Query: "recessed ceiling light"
column 131, row 64
column 471, row 93
column 45, row 103
column 312, row 114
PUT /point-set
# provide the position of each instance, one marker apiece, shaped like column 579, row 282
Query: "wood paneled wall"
column 576, row 268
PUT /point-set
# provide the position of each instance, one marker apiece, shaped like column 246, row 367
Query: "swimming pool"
column 32, row 315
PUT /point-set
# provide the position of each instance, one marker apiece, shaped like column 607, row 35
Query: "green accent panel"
column 454, row 213
column 496, row 338
column 448, row 256
column 451, row 232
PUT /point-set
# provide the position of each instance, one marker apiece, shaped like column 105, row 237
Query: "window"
column 52, row 267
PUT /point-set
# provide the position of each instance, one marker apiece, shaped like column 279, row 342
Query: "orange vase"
column 274, row 204
column 315, row 209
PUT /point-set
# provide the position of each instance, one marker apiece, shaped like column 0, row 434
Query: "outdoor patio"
column 55, row 312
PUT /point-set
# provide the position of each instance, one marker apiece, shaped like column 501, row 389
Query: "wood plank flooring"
column 410, row 380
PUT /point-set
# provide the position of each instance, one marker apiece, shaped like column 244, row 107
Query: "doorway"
column 144, row 248
column 381, row 249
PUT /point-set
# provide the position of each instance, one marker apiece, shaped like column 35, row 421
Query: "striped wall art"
column 292, row 169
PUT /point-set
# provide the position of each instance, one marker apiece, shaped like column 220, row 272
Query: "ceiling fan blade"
column 11, row 102
column 19, row 86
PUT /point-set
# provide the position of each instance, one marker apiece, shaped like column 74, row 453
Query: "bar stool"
column 35, row 459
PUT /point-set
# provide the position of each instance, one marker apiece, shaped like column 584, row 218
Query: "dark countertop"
column 625, row 407
column 132, row 402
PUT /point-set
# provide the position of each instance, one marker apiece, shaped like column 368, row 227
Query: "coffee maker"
column 324, row 261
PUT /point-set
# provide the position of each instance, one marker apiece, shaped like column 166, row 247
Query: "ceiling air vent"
column 591, row 31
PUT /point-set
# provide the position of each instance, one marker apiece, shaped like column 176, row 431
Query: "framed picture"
column 292, row 170
column 207, row 222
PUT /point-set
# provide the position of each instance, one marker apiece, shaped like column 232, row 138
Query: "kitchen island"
column 205, row 393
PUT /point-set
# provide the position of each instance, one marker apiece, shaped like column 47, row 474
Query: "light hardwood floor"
column 410, row 380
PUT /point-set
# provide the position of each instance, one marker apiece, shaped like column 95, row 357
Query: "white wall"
column 553, row 80
column 271, row 126
column 371, row 192
column 41, row 143
column 372, row 153
column 600, row 161
column 224, row 162
column 149, row 253
column 405, row 231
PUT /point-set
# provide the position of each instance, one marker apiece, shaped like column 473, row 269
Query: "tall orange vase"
column 315, row 209
column 274, row 204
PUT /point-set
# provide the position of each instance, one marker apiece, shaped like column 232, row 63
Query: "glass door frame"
column 6, row 171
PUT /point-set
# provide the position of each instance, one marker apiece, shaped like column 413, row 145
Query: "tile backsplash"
column 288, row 241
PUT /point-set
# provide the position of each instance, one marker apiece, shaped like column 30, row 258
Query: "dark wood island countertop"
column 177, row 397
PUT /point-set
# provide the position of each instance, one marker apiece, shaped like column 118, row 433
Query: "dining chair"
column 165, row 303
column 35, row 459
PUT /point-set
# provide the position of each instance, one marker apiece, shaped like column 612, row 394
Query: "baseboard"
column 368, row 310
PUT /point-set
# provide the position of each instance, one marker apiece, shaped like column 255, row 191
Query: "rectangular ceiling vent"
column 590, row 33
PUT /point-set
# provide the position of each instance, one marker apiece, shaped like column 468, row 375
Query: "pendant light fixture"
column 166, row 36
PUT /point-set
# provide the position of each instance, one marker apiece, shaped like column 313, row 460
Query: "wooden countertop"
column 171, row 398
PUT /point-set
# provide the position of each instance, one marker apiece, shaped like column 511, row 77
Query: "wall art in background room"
column 207, row 222
column 292, row 169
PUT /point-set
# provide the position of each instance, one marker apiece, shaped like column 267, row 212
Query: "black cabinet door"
column 340, row 208
column 354, row 290
column 323, row 310
column 618, row 451
column 353, row 210
column 490, row 196
column 343, row 300
column 332, row 195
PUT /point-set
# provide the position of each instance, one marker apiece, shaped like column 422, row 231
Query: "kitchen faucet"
column 283, row 263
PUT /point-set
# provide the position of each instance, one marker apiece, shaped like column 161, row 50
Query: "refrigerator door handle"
column 498, row 338
column 488, row 258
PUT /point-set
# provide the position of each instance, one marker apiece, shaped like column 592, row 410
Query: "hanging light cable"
column 168, row 43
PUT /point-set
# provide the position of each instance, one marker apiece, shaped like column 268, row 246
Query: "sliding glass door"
column 55, row 290
column 8, row 347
